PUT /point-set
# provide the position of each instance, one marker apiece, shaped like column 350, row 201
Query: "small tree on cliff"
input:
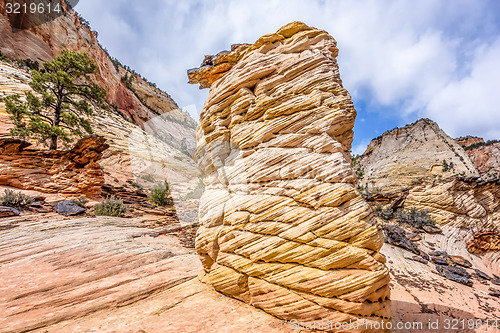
column 63, row 98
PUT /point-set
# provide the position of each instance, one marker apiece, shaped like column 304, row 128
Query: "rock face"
column 463, row 204
column 75, row 171
column 408, row 156
column 404, row 169
column 484, row 155
column 484, row 242
column 283, row 227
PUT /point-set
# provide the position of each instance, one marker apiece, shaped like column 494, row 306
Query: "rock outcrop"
column 283, row 227
column 417, row 153
column 484, row 155
column 419, row 166
column 464, row 204
column 484, row 242
column 72, row 172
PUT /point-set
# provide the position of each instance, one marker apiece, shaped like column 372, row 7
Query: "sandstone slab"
column 283, row 227
column 8, row 211
column 109, row 274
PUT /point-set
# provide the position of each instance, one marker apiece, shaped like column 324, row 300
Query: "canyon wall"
column 140, row 101
column 283, row 226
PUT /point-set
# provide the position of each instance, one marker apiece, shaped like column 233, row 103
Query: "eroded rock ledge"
column 283, row 226
column 75, row 171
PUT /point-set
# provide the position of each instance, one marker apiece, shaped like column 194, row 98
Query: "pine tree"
column 62, row 99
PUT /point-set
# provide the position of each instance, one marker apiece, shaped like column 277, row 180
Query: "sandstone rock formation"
column 404, row 169
column 283, row 227
column 406, row 165
column 484, row 155
column 484, row 242
column 464, row 204
column 412, row 155
column 70, row 172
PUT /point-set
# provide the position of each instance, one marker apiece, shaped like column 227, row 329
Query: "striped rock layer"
column 282, row 226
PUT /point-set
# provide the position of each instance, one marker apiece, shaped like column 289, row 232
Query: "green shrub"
column 3, row 57
column 15, row 199
column 111, row 207
column 414, row 217
column 148, row 178
column 160, row 195
column 28, row 64
column 384, row 213
column 481, row 144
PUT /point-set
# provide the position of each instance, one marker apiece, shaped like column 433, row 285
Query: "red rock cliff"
column 45, row 41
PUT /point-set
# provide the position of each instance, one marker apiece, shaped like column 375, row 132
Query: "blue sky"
column 400, row 60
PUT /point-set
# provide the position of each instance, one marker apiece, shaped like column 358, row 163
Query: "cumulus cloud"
column 408, row 58
column 471, row 104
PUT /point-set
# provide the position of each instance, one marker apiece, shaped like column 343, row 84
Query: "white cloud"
column 360, row 148
column 431, row 58
column 472, row 104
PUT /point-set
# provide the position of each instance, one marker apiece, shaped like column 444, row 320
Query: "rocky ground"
column 108, row 274
column 426, row 288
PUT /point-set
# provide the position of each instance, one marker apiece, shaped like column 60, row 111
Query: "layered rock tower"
column 283, row 226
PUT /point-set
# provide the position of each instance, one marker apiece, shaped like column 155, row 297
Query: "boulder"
column 461, row 261
column 482, row 275
column 282, row 224
column 68, row 208
column 395, row 235
column 8, row 211
column 453, row 273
